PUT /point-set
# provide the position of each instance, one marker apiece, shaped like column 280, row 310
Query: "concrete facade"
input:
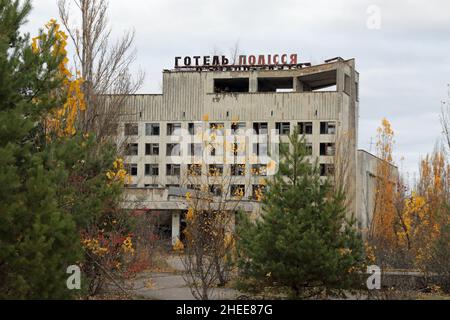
column 324, row 98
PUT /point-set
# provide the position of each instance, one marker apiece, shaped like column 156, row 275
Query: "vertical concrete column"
column 340, row 79
column 297, row 85
column 175, row 226
column 253, row 85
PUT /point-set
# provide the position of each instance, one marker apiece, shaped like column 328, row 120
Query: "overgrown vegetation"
column 302, row 241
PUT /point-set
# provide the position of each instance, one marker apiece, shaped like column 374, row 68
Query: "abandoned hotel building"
column 268, row 95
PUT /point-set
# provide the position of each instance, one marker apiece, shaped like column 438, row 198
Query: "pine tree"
column 38, row 240
column 302, row 240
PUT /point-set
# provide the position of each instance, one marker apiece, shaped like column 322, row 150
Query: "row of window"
column 196, row 149
column 213, row 169
column 283, row 128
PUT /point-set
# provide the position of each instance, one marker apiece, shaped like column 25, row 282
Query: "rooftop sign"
column 241, row 61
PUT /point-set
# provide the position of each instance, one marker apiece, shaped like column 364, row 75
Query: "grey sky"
column 404, row 66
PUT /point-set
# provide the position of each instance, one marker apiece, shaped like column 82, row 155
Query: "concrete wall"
column 189, row 95
column 367, row 186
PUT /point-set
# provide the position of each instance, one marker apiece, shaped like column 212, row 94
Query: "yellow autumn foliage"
column 62, row 120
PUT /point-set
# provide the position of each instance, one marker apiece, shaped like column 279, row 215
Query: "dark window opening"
column 237, row 190
column 151, row 169
column 283, row 128
column 238, row 169
column 326, row 169
column 259, row 170
column 328, row 127
column 231, row 85
column 132, row 149
column 194, row 128
column 152, row 129
column 258, row 191
column 305, row 127
column 174, row 129
column 194, row 169
column 132, row 169
column 309, row 149
column 151, row 149
column 327, row 149
column 216, row 189
column 131, row 129
column 260, row 127
column 215, row 170
column 173, row 170
column 275, row 84
column 237, row 127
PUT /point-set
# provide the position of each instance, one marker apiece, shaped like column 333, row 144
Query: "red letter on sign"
column 251, row 60
column 275, row 59
column 294, row 58
column 284, row 59
column 261, row 60
column 242, row 60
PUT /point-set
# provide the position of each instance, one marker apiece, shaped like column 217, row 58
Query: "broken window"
column 151, row 149
column 281, row 84
column 326, row 169
column 152, row 129
column 215, row 170
column 215, row 189
column 194, row 128
column 132, row 149
column 238, row 169
column 174, row 129
column 151, row 169
column 328, row 127
column 131, row 168
column 237, row 127
column 194, row 169
column 259, row 169
column 237, row 190
column 305, row 127
column 131, row 129
column 173, row 170
column 260, row 127
column 327, row 149
column 231, row 85
column 283, row 128
column 309, row 149
column 173, row 149
column 258, row 191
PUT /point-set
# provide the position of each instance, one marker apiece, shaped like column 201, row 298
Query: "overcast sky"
column 403, row 57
